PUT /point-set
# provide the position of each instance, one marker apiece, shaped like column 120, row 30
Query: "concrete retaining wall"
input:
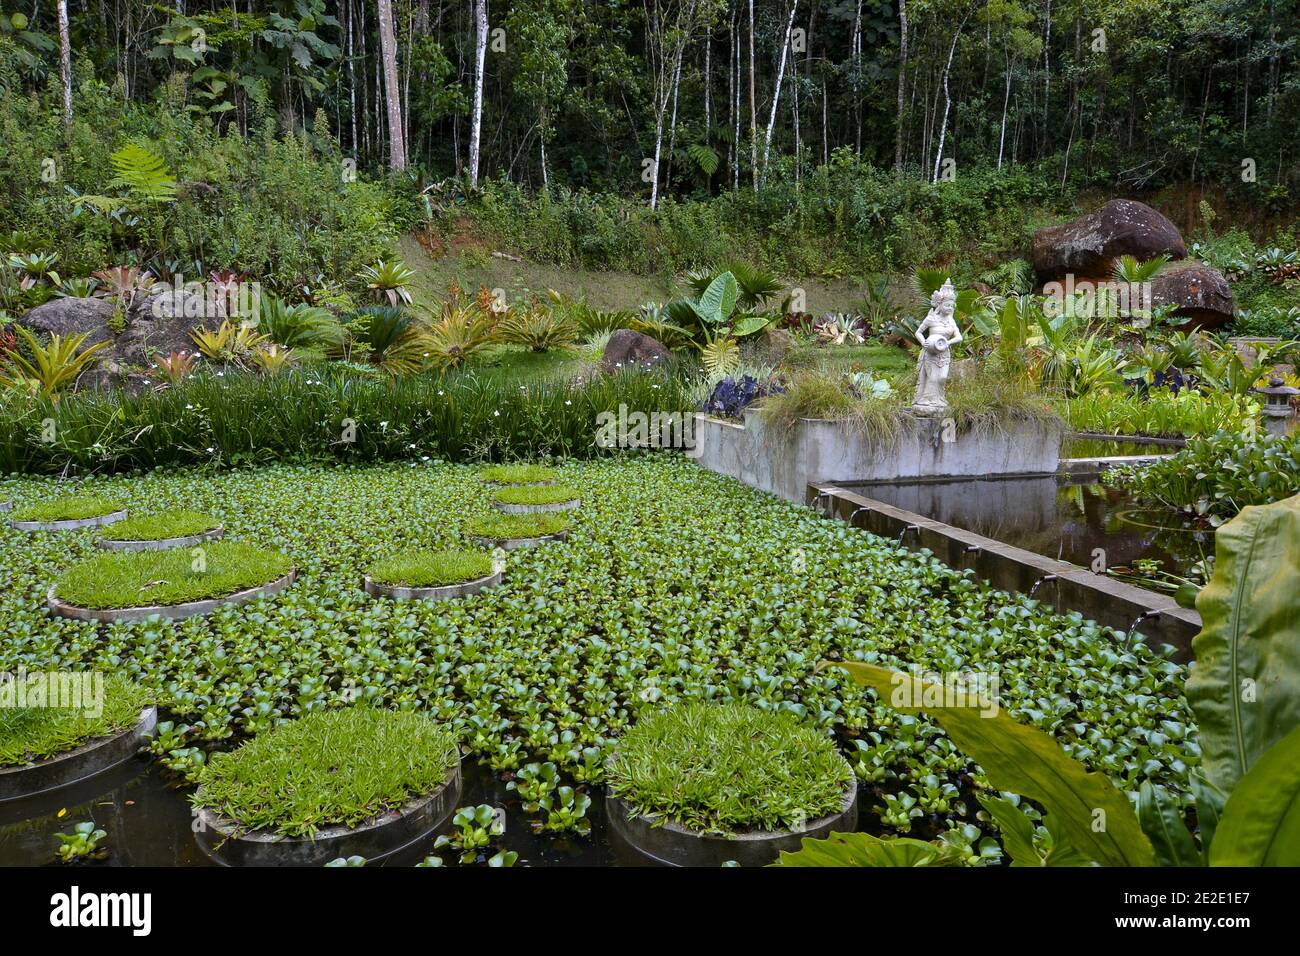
column 785, row 462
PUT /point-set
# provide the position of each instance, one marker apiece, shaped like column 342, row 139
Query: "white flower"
column 496, row 414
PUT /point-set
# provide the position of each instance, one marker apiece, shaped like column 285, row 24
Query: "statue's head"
column 944, row 298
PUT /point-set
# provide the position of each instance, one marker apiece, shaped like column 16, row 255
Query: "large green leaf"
column 863, row 849
column 1161, row 816
column 1091, row 816
column 1017, row 830
column 1210, row 801
column 718, row 300
column 1245, row 687
column 1260, row 825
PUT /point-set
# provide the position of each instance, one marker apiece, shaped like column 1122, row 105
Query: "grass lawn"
column 674, row 585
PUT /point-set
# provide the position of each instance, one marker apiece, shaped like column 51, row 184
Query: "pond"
column 1059, row 516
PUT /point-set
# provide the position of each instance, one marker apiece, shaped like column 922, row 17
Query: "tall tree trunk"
column 753, row 103
column 1006, row 100
column 776, row 95
column 65, row 63
column 480, row 58
column 392, row 86
column 899, row 131
column 947, row 98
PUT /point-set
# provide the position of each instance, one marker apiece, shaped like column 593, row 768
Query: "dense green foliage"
column 1160, row 414
column 517, row 474
column 302, row 415
column 122, row 579
column 535, row 495
column 329, row 768
column 584, row 637
column 430, row 569
column 1219, row 475
column 726, row 767
column 38, row 733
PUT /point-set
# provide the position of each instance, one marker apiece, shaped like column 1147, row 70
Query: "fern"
column 143, row 174
column 705, row 157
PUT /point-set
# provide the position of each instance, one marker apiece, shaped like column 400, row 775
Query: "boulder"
column 1197, row 291
column 71, row 316
column 162, row 323
column 1087, row 247
column 626, row 348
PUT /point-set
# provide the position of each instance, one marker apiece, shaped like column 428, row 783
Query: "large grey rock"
column 71, row 316
column 1197, row 291
column 627, row 348
column 1087, row 247
column 162, row 324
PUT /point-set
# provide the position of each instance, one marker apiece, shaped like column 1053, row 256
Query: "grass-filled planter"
column 500, row 476
column 46, row 748
column 527, row 499
column 160, row 532
column 353, row 782
column 68, row 514
column 132, row 585
column 517, row 531
column 432, row 575
column 701, row 784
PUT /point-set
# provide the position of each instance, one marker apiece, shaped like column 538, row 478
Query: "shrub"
column 729, row 767
column 157, row 527
column 429, row 569
column 503, row 526
column 329, row 768
column 538, row 328
column 536, row 494
column 38, row 733
column 122, row 579
column 71, row 508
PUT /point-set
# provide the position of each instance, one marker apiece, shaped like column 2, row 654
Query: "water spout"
column 1046, row 577
column 854, row 515
column 1144, row 616
column 903, row 534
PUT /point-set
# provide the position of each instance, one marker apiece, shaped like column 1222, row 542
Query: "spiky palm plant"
column 388, row 279
column 52, row 366
column 538, row 328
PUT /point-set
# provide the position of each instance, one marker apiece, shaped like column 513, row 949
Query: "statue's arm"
column 922, row 329
column 957, row 337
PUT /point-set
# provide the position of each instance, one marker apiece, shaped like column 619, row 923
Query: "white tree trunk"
column 1006, row 99
column 392, row 86
column 902, row 85
column 947, row 99
column 480, row 58
column 776, row 95
column 65, row 62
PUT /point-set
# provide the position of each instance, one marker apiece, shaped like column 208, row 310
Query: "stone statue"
column 937, row 335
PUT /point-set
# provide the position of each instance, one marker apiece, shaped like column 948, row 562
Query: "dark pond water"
column 149, row 824
column 1076, row 447
column 1058, row 516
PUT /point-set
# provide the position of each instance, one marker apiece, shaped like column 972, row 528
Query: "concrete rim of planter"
column 173, row 612
column 382, row 836
column 442, row 593
column 672, row 844
column 159, row 544
column 81, row 763
column 534, row 509
column 509, row 544
column 6, row 505
column 71, row 524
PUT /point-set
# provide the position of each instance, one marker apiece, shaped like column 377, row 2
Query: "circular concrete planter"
column 6, row 505
column 520, row 484
column 509, row 544
column 70, row 525
column 219, row 837
column 77, row 765
column 171, row 611
column 446, row 592
column 673, row 845
column 160, row 544
column 534, row 509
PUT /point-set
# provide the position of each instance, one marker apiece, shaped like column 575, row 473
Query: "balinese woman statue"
column 937, row 335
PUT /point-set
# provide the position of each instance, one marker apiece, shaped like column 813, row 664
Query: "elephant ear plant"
column 715, row 310
column 1244, row 691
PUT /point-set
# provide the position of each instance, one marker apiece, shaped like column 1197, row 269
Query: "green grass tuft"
column 729, row 767
column 328, row 768
column 70, row 508
column 431, row 569
column 135, row 578
column 518, row 474
column 517, row 526
column 30, row 734
column 536, row 494
column 156, row 527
